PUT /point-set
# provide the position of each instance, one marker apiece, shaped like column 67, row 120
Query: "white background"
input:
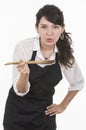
column 17, row 22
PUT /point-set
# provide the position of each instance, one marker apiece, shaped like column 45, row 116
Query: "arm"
column 20, row 74
column 22, row 83
column 68, row 98
column 76, row 81
column 54, row 109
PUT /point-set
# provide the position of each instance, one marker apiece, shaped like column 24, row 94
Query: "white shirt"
column 23, row 51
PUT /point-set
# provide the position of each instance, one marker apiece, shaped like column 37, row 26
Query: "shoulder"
column 24, row 48
column 26, row 43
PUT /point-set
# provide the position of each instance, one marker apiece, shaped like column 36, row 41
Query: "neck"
column 47, row 51
column 47, row 47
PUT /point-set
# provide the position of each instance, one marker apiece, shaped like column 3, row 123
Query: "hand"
column 23, row 68
column 54, row 109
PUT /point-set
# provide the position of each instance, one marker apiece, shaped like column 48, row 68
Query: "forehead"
column 44, row 20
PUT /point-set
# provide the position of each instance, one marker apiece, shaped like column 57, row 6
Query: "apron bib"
column 27, row 112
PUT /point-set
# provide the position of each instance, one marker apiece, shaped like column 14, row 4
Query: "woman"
column 30, row 104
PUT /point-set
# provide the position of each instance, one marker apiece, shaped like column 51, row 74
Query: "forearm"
column 22, row 84
column 68, row 98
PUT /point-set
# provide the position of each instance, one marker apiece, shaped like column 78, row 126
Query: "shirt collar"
column 36, row 46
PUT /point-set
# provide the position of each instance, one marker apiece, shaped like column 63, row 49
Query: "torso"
column 28, row 111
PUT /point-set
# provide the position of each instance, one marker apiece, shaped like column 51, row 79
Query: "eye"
column 56, row 26
column 43, row 26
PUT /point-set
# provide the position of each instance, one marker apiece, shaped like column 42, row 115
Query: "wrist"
column 63, row 105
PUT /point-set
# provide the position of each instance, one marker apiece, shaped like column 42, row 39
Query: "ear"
column 36, row 28
column 63, row 28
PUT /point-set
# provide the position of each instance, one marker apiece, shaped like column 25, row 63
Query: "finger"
column 53, row 114
column 50, row 106
column 21, row 65
column 50, row 111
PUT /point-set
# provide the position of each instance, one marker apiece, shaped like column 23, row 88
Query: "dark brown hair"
column 55, row 15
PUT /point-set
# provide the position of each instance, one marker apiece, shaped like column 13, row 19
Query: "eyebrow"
column 52, row 24
column 43, row 24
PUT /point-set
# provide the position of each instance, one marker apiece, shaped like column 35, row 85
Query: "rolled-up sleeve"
column 16, row 90
column 19, row 54
column 74, row 77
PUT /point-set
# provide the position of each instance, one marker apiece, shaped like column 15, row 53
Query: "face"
column 49, row 33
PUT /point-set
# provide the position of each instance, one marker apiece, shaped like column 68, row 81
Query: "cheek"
column 57, row 37
column 42, row 34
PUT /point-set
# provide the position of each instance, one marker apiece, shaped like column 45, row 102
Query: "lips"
column 49, row 40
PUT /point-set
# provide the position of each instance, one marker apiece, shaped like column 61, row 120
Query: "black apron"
column 28, row 112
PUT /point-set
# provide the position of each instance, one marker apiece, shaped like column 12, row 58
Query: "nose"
column 49, row 32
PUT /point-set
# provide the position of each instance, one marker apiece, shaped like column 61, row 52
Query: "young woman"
column 30, row 104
